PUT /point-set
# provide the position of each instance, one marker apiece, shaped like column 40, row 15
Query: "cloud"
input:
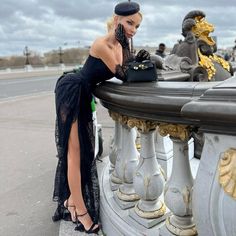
column 45, row 25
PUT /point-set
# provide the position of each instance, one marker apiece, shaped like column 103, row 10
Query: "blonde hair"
column 110, row 21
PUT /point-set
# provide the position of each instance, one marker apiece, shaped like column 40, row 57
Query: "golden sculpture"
column 176, row 131
column 201, row 48
column 227, row 172
column 221, row 61
column 201, row 30
column 206, row 63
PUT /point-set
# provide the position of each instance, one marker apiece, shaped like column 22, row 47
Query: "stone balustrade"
column 147, row 201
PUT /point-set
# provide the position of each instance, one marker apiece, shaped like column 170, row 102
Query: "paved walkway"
column 27, row 164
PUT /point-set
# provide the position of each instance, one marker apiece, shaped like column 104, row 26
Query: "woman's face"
column 130, row 23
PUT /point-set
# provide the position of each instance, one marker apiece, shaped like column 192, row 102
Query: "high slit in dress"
column 73, row 95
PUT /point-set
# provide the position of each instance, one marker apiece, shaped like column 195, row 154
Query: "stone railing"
column 138, row 197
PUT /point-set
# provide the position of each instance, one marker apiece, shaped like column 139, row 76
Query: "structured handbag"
column 144, row 71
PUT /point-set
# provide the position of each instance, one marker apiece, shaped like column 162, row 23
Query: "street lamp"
column 60, row 53
column 27, row 54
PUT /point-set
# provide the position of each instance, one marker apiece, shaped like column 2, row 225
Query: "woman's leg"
column 74, row 176
column 69, row 205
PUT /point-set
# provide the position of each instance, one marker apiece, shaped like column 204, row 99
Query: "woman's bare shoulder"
column 99, row 46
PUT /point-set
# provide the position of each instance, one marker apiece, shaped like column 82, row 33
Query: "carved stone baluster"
column 126, row 164
column 164, row 152
column 114, row 145
column 116, row 151
column 148, row 179
column 178, row 189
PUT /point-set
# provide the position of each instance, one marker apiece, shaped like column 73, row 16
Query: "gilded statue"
column 201, row 48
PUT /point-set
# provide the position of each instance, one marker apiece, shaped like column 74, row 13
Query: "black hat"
column 126, row 8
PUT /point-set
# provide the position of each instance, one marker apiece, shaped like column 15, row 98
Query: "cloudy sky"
column 44, row 25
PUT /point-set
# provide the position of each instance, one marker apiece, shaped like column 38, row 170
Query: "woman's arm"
column 114, row 61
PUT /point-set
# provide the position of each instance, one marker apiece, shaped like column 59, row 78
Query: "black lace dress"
column 73, row 95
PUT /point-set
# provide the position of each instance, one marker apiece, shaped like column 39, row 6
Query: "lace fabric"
column 120, row 72
column 73, row 99
column 73, row 95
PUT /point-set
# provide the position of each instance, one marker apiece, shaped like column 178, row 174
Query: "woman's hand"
column 142, row 55
column 121, row 37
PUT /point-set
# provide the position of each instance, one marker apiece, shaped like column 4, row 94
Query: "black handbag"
column 144, row 71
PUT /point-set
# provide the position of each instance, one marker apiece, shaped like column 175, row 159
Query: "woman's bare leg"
column 74, row 176
column 69, row 204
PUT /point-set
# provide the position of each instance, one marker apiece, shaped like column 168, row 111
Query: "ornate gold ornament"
column 202, row 29
column 118, row 117
column 221, row 61
column 227, row 172
column 176, row 131
column 113, row 115
column 206, row 63
column 142, row 125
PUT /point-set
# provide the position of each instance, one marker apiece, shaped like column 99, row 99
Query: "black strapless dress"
column 73, row 95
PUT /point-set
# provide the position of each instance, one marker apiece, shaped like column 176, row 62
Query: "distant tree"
column 75, row 55
column 70, row 56
column 51, row 58
column 36, row 60
column 17, row 61
column 4, row 63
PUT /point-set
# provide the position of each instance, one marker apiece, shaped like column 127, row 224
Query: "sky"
column 45, row 25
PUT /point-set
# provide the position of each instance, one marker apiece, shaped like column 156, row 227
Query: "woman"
column 76, row 183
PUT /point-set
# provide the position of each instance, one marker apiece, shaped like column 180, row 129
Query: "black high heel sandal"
column 81, row 228
column 67, row 206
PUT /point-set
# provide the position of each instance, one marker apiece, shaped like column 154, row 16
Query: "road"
column 14, row 87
